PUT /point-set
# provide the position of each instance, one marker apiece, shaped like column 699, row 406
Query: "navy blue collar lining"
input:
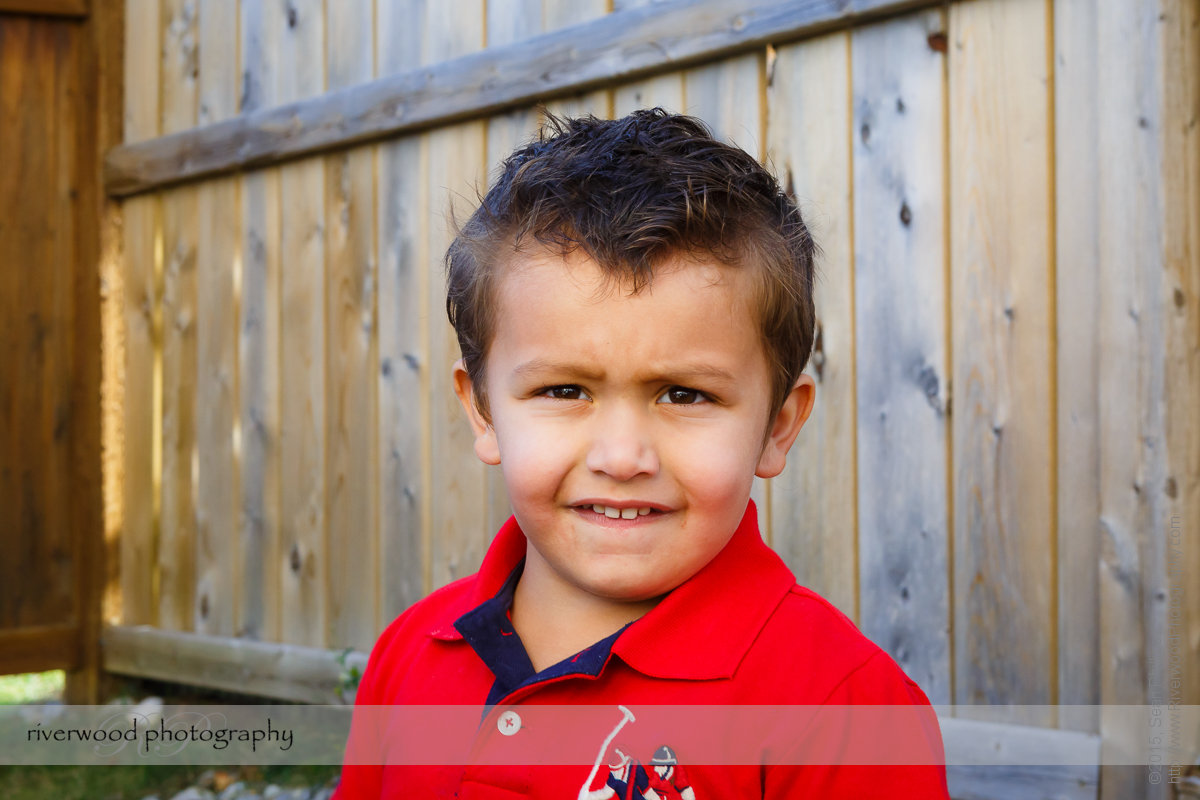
column 491, row 635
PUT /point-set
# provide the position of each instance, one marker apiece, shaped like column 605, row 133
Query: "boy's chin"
column 630, row 593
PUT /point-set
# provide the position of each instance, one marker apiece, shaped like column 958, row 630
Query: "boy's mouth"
column 614, row 512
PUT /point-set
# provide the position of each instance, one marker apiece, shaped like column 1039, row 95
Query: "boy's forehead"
column 587, row 276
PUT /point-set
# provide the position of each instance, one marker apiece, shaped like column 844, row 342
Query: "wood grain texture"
column 257, row 574
column 58, row 8
column 1132, row 319
column 1077, row 250
column 405, row 494
column 38, row 356
column 560, row 14
column 177, row 537
column 1180, row 170
column 303, row 441
column 350, row 306
column 813, row 513
column 902, row 364
column 456, row 171
column 614, row 48
column 663, row 90
column 216, row 346
column 1057, row 764
column 102, row 73
column 1003, row 455
column 40, row 648
column 141, row 416
column 286, row 672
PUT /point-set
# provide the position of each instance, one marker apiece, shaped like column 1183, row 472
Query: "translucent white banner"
column 569, row 735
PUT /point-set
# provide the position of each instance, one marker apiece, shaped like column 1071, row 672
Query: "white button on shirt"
column 509, row 723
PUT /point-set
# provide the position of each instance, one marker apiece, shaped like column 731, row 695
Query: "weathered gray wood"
column 901, row 334
column 1132, row 323
column 1077, row 240
column 620, row 46
column 279, row 671
column 257, row 573
column 1029, row 763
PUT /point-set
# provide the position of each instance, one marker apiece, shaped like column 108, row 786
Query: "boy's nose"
column 621, row 448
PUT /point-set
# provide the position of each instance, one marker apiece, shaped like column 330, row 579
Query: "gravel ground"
column 212, row 786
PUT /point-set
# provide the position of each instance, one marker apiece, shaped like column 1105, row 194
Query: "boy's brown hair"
column 632, row 193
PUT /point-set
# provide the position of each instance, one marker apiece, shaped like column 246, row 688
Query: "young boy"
column 633, row 301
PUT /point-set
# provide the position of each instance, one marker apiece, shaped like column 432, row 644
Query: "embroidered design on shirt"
column 628, row 778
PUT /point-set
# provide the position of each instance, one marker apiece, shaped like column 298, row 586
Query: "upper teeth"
column 623, row 513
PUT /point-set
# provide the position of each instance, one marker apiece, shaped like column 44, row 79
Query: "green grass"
column 136, row 782
column 32, row 687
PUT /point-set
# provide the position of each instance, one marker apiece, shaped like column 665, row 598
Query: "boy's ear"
column 787, row 424
column 486, row 446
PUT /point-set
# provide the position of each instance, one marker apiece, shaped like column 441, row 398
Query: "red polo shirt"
column 710, row 692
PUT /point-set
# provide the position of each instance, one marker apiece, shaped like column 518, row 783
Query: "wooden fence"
column 1001, row 480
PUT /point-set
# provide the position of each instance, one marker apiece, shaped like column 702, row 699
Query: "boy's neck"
column 555, row 624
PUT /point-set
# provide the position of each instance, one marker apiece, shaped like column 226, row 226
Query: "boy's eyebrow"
column 684, row 372
column 535, row 366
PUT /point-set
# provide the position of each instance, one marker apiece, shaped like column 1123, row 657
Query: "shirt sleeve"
column 875, row 735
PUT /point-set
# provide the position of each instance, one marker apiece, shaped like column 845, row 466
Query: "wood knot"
column 294, row 560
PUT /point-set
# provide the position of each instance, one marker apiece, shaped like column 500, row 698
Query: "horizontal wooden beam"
column 262, row 669
column 39, row 649
column 53, row 8
column 1075, row 776
column 618, row 47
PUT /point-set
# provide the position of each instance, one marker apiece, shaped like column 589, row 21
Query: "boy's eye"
column 681, row 395
column 564, row 393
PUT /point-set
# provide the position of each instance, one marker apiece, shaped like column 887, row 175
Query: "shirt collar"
column 707, row 623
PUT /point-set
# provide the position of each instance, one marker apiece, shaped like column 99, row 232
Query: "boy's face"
column 655, row 405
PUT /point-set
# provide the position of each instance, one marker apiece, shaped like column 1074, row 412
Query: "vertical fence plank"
column 216, row 328
column 350, row 299
column 404, row 406
column 140, row 418
column 1077, row 295
column 1003, row 355
column 812, row 502
column 728, row 96
column 1180, row 170
column 661, row 90
column 257, row 574
column 176, row 553
column 456, row 171
column 901, row 335
column 1132, row 325
column 303, row 446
